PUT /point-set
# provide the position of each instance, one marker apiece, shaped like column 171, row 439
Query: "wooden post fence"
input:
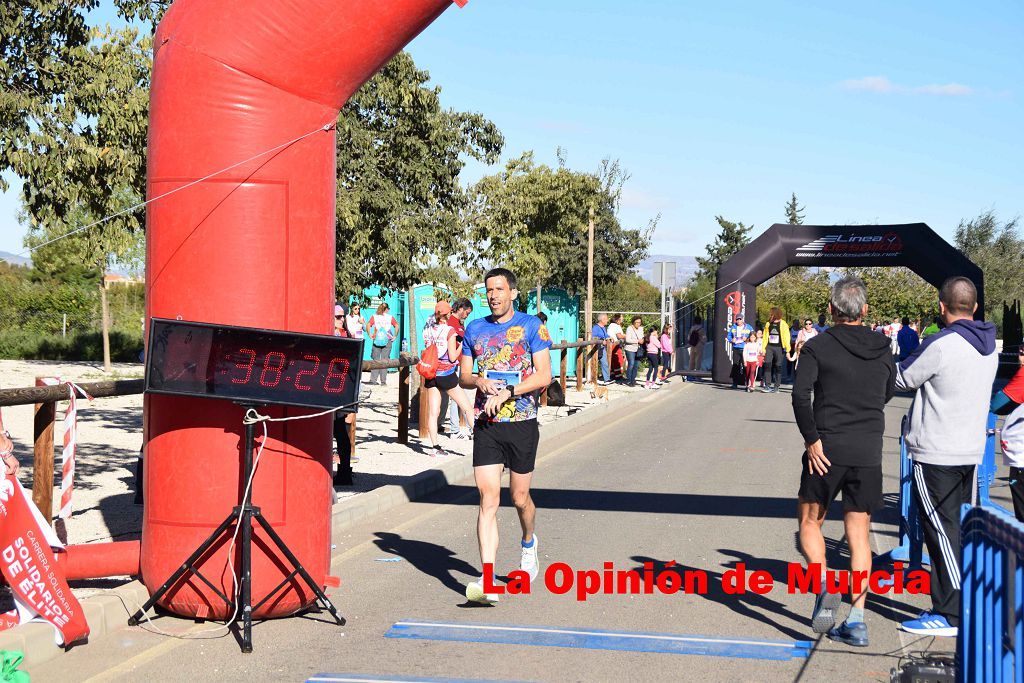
column 42, row 472
column 563, row 365
column 403, row 404
column 580, row 356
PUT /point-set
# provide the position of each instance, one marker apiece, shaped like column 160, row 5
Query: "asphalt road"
column 698, row 474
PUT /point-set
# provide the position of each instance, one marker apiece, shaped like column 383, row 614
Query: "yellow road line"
column 147, row 655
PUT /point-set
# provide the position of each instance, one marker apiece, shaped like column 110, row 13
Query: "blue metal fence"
column 987, row 470
column 990, row 646
column 910, row 550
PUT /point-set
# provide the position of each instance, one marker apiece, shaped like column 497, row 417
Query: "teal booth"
column 563, row 312
column 372, row 297
column 562, row 309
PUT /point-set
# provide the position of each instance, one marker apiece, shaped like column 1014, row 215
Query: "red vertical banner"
column 29, row 568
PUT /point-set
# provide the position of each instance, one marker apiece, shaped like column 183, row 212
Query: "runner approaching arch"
column 913, row 245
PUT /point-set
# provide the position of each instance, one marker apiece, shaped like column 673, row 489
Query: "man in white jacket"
column 952, row 373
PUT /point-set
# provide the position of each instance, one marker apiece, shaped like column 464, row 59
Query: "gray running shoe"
column 823, row 618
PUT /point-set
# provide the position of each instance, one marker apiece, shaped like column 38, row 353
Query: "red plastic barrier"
column 97, row 560
column 253, row 246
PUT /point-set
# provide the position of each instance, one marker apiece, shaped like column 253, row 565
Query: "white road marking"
column 600, row 634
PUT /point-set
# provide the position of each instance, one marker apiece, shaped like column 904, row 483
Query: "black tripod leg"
column 246, row 579
column 321, row 596
column 186, row 567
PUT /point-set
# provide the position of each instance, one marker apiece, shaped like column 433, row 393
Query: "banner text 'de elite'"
column 28, row 566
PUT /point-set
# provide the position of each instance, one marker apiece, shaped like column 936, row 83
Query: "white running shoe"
column 529, row 562
column 475, row 593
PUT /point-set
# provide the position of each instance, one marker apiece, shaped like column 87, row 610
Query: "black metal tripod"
column 243, row 515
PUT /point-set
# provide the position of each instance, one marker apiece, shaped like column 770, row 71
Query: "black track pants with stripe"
column 940, row 491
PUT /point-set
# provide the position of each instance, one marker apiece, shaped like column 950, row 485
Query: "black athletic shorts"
column 512, row 444
column 861, row 487
column 443, row 382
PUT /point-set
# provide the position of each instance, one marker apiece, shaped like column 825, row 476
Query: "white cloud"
column 882, row 85
column 878, row 84
column 950, row 89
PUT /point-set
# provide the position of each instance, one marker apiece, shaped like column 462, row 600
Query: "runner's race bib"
column 509, row 377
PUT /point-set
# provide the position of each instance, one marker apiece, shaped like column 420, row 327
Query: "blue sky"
column 870, row 111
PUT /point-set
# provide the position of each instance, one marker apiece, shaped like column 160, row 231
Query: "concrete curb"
column 105, row 612
column 108, row 611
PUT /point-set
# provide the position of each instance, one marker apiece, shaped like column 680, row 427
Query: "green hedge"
column 28, row 345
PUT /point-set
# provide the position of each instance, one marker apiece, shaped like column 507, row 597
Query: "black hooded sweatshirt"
column 851, row 372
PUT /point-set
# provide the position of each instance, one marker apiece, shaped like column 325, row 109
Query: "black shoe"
column 851, row 634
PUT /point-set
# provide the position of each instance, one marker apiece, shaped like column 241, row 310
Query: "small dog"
column 598, row 393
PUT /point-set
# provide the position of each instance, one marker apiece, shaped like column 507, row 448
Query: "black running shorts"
column 861, row 487
column 443, row 382
column 512, row 444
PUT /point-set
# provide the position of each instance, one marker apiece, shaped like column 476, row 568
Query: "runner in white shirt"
column 354, row 322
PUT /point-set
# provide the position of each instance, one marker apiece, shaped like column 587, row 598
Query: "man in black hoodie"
column 851, row 373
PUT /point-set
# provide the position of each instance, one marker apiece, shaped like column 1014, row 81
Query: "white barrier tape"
column 67, row 469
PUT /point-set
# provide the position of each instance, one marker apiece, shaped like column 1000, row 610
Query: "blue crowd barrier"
column 910, row 549
column 990, row 644
column 987, row 470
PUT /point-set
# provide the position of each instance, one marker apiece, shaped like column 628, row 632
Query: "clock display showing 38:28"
column 307, row 372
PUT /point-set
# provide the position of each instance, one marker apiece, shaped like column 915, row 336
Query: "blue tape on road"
column 381, row 678
column 594, row 639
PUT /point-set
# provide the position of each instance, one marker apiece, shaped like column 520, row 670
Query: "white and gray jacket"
column 952, row 372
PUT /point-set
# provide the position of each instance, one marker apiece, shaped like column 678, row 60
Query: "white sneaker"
column 529, row 562
column 475, row 593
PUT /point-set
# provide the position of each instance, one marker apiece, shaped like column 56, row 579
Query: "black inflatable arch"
column 913, row 245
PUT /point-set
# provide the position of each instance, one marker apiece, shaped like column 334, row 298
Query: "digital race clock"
column 252, row 365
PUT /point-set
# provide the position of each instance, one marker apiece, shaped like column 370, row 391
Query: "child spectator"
column 666, row 353
column 752, row 359
column 653, row 350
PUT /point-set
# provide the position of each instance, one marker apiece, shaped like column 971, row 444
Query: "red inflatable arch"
column 253, row 246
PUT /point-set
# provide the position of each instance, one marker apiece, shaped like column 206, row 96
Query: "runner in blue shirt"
column 510, row 350
column 737, row 336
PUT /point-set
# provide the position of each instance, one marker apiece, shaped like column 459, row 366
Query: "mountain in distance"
column 686, row 267
column 14, row 259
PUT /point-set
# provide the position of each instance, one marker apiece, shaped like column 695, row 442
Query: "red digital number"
column 316, row 368
column 245, row 366
column 340, row 375
column 267, row 367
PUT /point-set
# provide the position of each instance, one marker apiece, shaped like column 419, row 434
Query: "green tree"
column 629, row 293
column 896, row 293
column 81, row 154
column 998, row 249
column 730, row 239
column 798, row 292
column 794, row 212
column 400, row 205
column 533, row 219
